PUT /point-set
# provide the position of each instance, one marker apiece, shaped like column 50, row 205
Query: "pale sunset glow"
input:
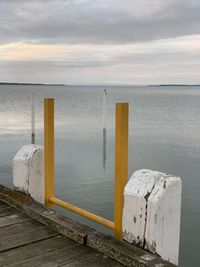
column 90, row 42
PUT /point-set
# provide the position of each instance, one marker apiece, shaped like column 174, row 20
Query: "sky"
column 100, row 41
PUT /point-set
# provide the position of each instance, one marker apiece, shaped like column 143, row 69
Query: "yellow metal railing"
column 121, row 164
column 49, row 150
column 121, row 167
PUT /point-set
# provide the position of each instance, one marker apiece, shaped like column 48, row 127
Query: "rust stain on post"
column 121, row 164
column 49, row 149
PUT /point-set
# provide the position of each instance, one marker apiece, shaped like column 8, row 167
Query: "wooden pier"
column 34, row 235
column 26, row 242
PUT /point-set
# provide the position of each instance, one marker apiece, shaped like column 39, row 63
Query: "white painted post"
column 152, row 209
column 28, row 175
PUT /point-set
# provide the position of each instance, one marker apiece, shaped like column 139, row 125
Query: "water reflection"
column 164, row 135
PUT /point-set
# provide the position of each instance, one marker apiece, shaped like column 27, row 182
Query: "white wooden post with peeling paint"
column 151, row 215
column 28, row 176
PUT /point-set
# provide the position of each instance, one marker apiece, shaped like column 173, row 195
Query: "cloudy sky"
column 100, row 41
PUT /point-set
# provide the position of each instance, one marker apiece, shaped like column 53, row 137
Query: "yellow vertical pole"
column 49, row 150
column 121, row 164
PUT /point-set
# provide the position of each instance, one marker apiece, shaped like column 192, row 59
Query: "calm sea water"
column 164, row 135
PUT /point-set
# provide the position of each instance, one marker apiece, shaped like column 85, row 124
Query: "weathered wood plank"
column 54, row 220
column 19, row 227
column 48, row 252
column 2, row 204
column 51, row 252
column 57, row 257
column 7, row 210
column 13, row 218
column 97, row 260
column 123, row 252
column 21, row 238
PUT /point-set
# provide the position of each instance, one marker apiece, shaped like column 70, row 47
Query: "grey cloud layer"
column 89, row 21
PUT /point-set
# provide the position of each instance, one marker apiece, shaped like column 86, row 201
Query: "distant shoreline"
column 42, row 84
column 174, row 85
column 61, row 84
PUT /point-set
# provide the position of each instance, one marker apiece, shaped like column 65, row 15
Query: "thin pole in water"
column 104, row 127
column 32, row 118
column 104, row 108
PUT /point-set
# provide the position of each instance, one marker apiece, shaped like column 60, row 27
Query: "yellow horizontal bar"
column 81, row 212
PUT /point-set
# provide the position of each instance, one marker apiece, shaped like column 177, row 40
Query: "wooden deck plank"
column 3, row 204
column 18, row 227
column 123, row 252
column 57, row 258
column 21, row 238
column 54, row 251
column 97, row 260
column 62, row 224
column 13, row 218
column 7, row 210
column 21, row 244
